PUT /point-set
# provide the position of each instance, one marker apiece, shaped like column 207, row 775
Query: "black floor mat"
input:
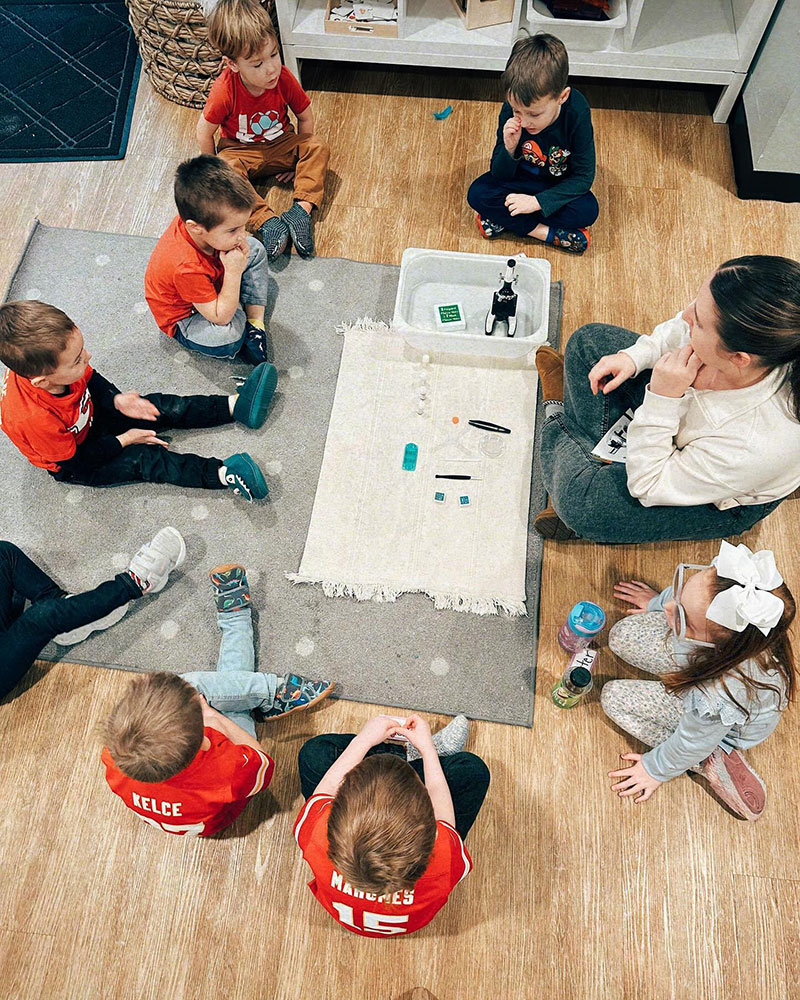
column 68, row 75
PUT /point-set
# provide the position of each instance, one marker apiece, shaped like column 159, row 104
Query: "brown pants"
column 306, row 155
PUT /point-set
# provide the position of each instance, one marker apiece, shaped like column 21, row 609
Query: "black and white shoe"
column 298, row 222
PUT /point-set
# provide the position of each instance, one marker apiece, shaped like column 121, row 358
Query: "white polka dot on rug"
column 439, row 666
column 33, row 293
column 296, row 371
column 253, row 576
column 75, row 497
column 140, row 308
column 273, row 468
column 102, row 259
column 169, row 628
column 199, row 512
column 120, row 560
column 316, row 285
column 304, row 646
column 180, row 359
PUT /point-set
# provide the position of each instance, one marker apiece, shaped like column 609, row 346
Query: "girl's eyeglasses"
column 679, row 622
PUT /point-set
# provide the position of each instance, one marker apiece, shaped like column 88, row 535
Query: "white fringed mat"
column 376, row 531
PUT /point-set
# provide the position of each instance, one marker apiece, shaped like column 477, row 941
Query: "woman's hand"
column 611, row 371
column 418, row 733
column 636, row 593
column 636, row 780
column 377, row 730
column 674, row 372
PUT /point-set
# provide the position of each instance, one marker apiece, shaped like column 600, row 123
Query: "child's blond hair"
column 156, row 729
column 32, row 337
column 381, row 827
column 537, row 67
column 239, row 29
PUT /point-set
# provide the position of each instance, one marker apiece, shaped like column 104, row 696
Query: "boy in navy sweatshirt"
column 543, row 163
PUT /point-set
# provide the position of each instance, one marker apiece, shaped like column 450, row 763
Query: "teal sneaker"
column 293, row 695
column 244, row 478
column 255, row 395
column 231, row 590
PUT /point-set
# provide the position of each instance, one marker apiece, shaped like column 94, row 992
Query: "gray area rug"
column 406, row 654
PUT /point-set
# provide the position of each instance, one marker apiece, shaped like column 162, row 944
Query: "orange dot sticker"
column 455, row 420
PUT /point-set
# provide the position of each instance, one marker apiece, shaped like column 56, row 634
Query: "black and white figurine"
column 504, row 302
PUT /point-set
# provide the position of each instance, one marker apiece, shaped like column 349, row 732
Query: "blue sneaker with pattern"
column 293, row 695
column 231, row 590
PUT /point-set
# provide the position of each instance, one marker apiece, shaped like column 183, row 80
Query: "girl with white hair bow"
column 718, row 640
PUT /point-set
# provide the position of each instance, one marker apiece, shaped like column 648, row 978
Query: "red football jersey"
column 47, row 429
column 364, row 912
column 202, row 798
column 245, row 118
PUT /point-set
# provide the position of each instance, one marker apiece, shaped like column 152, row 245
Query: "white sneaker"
column 79, row 634
column 452, row 739
column 153, row 563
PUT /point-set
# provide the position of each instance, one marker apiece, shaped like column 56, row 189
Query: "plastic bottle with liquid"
column 583, row 623
column 572, row 687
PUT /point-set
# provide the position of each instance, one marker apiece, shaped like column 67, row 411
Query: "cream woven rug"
column 377, row 530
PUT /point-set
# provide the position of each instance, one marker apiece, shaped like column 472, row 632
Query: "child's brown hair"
column 156, row 728
column 239, row 29
column 731, row 649
column 537, row 67
column 381, row 827
column 32, row 337
column 206, row 186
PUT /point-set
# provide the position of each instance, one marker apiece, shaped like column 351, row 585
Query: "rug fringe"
column 443, row 601
column 366, row 323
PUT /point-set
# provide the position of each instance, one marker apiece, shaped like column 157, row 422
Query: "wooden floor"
column 574, row 894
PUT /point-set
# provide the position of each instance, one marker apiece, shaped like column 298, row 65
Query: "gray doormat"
column 406, row 654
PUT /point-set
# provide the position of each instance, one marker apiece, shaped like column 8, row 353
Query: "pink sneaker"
column 736, row 783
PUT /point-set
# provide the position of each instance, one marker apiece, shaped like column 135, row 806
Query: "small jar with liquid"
column 575, row 683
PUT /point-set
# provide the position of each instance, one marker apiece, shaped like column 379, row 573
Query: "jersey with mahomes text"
column 204, row 797
column 365, row 912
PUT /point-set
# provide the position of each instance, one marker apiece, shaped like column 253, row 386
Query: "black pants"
column 25, row 633
column 152, row 463
column 467, row 776
column 487, row 196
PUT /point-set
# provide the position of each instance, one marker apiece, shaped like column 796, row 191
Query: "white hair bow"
column 750, row 603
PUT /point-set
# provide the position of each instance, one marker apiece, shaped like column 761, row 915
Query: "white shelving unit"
column 683, row 41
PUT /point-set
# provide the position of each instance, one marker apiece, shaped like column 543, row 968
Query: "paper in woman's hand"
column 613, row 445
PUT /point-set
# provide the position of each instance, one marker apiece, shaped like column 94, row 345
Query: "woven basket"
column 179, row 60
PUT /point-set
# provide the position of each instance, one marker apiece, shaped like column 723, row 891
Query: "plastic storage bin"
column 429, row 278
column 582, row 36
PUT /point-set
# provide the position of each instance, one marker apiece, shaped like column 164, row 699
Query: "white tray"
column 431, row 277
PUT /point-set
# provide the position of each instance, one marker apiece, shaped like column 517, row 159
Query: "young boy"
column 70, row 618
column 66, row 418
column 206, row 281
column 249, row 102
column 180, row 763
column 385, row 848
column 543, row 162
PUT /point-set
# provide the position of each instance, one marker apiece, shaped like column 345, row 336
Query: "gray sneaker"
column 84, row 631
column 153, row 563
column 274, row 234
column 452, row 739
column 298, row 222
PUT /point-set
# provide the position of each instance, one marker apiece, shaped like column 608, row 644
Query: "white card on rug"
column 613, row 445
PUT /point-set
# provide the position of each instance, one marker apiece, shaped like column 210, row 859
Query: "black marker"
column 442, row 476
column 486, row 425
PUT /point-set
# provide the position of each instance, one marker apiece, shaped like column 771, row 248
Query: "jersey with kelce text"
column 204, row 797
column 364, row 912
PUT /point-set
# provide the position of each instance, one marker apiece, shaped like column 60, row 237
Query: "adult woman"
column 714, row 445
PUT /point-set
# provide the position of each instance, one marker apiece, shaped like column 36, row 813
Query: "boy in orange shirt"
column 206, row 281
column 249, row 102
column 179, row 763
column 383, row 826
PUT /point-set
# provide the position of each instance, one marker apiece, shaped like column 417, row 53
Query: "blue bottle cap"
column 586, row 618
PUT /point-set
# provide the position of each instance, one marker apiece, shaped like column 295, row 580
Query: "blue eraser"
column 464, row 500
column 410, row 457
column 438, row 497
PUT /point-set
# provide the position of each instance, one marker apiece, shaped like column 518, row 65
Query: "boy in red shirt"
column 206, row 281
column 183, row 765
column 385, row 848
column 66, row 418
column 249, row 102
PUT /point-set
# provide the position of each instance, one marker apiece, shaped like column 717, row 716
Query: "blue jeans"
column 487, row 196
column 235, row 688
column 591, row 496
column 224, row 341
